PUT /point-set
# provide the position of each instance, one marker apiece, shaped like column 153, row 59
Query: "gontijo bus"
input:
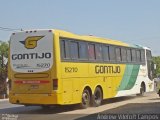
column 54, row 67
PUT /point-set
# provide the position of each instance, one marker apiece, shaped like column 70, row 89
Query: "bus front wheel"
column 142, row 90
column 86, row 99
column 159, row 93
column 97, row 97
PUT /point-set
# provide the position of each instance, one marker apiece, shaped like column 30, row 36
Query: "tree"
column 4, row 47
column 156, row 61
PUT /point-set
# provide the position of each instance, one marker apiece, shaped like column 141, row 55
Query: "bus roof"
column 91, row 38
column 97, row 39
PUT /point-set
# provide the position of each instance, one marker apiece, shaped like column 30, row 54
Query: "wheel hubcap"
column 97, row 97
column 85, row 98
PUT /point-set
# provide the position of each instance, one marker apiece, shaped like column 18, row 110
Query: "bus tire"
column 45, row 107
column 142, row 90
column 26, row 105
column 86, row 99
column 97, row 97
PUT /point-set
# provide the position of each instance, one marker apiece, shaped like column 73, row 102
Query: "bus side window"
column 98, row 52
column 133, row 55
column 138, row 56
column 83, row 51
column 64, row 49
column 106, row 53
column 118, row 54
column 142, row 56
column 129, row 57
column 91, row 51
column 124, row 54
column 112, row 53
column 74, row 50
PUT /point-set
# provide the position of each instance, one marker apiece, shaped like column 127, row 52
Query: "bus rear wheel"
column 97, row 97
column 45, row 107
column 86, row 99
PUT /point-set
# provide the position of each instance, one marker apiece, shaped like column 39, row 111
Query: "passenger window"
column 98, row 52
column 142, row 56
column 133, row 55
column 129, row 57
column 138, row 55
column 91, row 51
column 64, row 49
column 106, row 53
column 118, row 54
column 112, row 53
column 74, row 49
column 124, row 54
column 83, row 51
column 63, row 54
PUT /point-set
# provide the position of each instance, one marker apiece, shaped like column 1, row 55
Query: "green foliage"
column 156, row 61
column 4, row 47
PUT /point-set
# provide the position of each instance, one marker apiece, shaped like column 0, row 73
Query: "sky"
column 131, row 21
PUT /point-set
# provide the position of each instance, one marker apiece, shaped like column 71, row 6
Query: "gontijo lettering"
column 31, row 56
column 100, row 69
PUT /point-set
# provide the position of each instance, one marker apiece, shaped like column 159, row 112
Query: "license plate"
column 34, row 86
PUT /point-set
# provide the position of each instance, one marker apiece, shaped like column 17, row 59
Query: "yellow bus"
column 55, row 67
